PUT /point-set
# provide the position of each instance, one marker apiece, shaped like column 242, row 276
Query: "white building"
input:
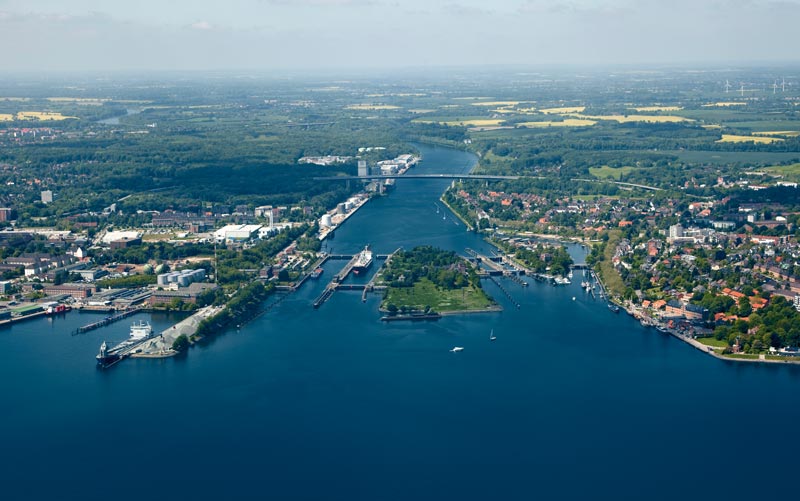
column 47, row 196
column 237, row 232
column 113, row 236
column 362, row 168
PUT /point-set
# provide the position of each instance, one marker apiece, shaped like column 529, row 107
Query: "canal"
column 569, row 402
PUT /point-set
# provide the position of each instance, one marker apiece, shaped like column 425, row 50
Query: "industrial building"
column 186, row 294
column 237, row 233
column 181, row 278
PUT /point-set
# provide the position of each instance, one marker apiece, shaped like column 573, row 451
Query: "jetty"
column 106, row 321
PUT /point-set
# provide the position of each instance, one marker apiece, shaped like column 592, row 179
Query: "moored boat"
column 363, row 261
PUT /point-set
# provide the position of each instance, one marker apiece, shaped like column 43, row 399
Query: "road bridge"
column 419, row 176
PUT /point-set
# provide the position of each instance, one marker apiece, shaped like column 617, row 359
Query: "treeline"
column 242, row 307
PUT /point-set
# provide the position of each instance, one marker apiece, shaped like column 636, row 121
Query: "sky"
column 80, row 35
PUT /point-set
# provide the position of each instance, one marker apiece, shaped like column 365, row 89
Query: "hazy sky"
column 308, row 34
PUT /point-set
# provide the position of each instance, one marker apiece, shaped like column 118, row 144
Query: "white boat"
column 492, row 337
column 141, row 330
column 456, row 349
column 363, row 262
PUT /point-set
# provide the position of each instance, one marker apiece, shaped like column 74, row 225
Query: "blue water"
column 570, row 402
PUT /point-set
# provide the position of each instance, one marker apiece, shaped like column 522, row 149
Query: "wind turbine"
column 727, row 86
column 742, row 89
column 775, row 87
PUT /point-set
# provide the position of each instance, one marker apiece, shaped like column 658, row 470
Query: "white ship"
column 363, row 262
column 140, row 331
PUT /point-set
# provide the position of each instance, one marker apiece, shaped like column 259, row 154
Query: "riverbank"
column 455, row 212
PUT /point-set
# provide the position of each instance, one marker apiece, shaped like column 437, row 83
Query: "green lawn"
column 425, row 293
column 713, row 342
column 611, row 278
column 606, row 172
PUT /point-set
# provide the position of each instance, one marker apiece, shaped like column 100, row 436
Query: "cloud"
column 201, row 25
column 322, row 3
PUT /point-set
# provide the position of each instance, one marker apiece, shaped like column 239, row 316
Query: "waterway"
column 570, row 402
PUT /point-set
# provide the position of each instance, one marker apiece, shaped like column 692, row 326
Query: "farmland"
column 733, row 138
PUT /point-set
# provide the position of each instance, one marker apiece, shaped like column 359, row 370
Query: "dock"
column 106, row 321
column 507, row 294
column 336, row 283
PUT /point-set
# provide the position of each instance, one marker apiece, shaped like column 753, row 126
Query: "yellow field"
column 711, row 127
column 6, row 117
column 41, row 115
column 635, row 118
column 496, row 103
column 731, row 138
column 570, row 122
column 372, row 107
column 787, row 133
column 725, row 104
column 564, row 110
column 658, row 108
column 477, row 122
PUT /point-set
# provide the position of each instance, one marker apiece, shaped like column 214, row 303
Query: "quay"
column 161, row 346
column 106, row 321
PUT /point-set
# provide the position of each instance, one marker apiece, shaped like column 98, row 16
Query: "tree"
column 181, row 343
column 744, row 307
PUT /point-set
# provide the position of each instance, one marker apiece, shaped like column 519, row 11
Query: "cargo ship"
column 140, row 332
column 363, row 262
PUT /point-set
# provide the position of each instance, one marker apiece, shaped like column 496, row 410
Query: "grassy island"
column 427, row 279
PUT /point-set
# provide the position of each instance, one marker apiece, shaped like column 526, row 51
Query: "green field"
column 611, row 278
column 606, row 172
column 713, row 342
column 788, row 171
column 733, row 157
column 425, row 293
column 767, row 125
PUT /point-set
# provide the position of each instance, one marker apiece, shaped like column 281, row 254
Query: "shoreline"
column 488, row 309
column 466, row 223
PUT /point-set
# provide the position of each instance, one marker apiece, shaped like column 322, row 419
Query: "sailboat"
column 492, row 337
